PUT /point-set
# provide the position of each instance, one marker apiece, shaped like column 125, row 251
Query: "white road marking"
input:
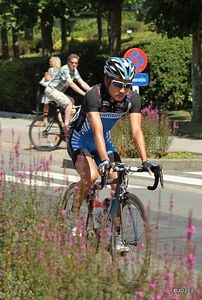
column 176, row 179
column 194, row 173
column 49, row 177
column 52, row 176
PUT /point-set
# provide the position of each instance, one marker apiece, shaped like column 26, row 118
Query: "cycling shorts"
column 83, row 145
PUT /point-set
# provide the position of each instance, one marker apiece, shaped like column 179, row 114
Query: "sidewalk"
column 19, row 125
column 188, row 145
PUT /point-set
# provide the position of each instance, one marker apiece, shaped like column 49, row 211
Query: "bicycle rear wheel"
column 135, row 230
column 45, row 137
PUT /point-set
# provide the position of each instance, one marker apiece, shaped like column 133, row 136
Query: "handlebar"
column 158, row 174
column 122, row 168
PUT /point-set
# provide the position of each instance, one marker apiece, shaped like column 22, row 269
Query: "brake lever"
column 158, row 174
column 104, row 178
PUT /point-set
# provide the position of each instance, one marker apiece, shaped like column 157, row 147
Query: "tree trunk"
column 64, row 33
column 29, row 34
column 46, row 32
column 196, row 75
column 99, row 27
column 15, row 42
column 4, row 42
column 114, row 28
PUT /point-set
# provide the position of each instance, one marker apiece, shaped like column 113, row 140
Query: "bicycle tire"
column 45, row 138
column 67, row 203
column 134, row 265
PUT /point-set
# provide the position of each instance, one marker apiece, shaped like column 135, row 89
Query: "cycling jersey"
column 97, row 99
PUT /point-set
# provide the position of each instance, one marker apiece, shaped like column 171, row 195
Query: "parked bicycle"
column 131, row 212
column 48, row 136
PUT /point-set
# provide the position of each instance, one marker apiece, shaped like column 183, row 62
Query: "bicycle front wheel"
column 135, row 231
column 67, row 203
column 45, row 136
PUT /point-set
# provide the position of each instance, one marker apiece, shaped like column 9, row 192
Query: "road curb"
column 172, row 164
column 168, row 164
column 14, row 115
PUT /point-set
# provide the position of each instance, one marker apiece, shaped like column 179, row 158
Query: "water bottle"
column 97, row 212
column 105, row 206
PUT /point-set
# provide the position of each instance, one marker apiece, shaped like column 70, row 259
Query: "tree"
column 181, row 18
column 4, row 41
column 114, row 28
column 64, row 9
column 113, row 13
column 4, row 13
column 7, row 21
column 14, row 17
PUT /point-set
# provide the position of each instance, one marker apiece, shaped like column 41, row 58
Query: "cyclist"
column 62, row 80
column 55, row 64
column 90, row 146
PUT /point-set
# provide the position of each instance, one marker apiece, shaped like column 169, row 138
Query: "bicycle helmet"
column 117, row 67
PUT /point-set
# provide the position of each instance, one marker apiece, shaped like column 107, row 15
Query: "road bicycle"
column 130, row 210
column 48, row 136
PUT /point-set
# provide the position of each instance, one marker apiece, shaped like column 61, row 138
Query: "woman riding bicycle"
column 90, row 146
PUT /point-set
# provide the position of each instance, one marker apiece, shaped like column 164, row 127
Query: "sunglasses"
column 120, row 84
column 72, row 62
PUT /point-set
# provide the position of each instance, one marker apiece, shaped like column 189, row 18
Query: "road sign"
column 138, row 58
column 141, row 79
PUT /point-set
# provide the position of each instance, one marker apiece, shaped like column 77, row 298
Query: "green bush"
column 157, row 131
column 20, row 82
column 169, row 70
column 129, row 22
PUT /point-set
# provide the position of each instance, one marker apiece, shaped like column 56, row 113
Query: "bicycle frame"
column 121, row 191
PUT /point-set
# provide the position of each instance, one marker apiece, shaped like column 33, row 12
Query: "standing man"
column 65, row 78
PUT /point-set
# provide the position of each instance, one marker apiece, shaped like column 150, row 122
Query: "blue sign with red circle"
column 138, row 58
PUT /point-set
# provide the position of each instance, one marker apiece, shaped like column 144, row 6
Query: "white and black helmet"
column 117, row 67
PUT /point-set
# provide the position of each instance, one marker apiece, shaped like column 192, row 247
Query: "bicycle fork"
column 134, row 229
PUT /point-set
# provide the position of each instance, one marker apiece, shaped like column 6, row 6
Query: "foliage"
column 169, row 65
column 169, row 87
column 40, row 260
column 157, row 131
column 31, row 70
column 129, row 22
column 82, row 25
column 19, row 92
column 177, row 18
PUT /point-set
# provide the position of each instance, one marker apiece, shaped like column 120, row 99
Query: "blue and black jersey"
column 97, row 99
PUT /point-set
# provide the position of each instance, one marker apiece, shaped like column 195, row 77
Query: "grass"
column 181, row 155
column 187, row 128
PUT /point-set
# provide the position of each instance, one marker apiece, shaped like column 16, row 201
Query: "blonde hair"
column 73, row 56
column 56, row 62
